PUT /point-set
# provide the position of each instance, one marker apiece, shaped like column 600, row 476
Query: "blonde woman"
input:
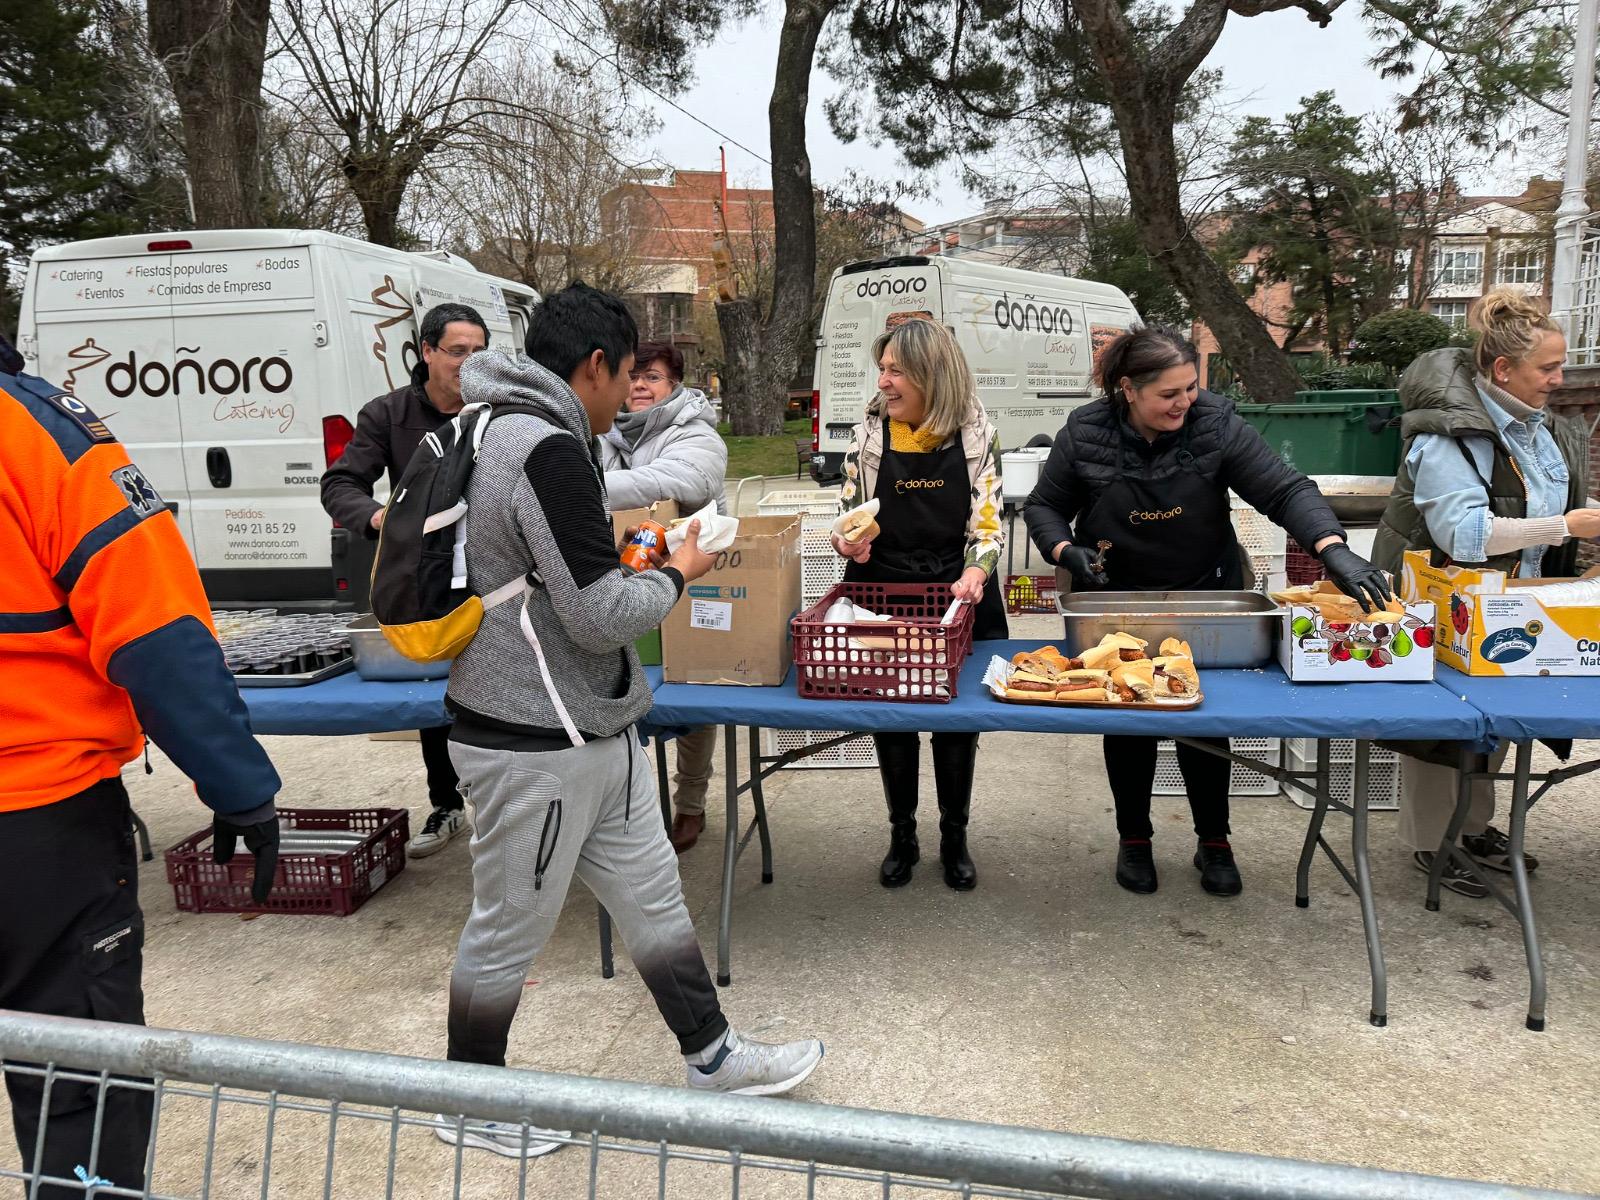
column 1489, row 479
column 928, row 453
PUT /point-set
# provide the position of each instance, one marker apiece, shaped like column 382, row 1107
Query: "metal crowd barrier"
column 236, row 1117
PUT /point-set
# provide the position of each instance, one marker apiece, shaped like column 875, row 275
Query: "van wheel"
column 1040, row 439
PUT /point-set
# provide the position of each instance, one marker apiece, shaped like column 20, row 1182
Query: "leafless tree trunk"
column 391, row 84
column 762, row 356
column 1144, row 92
column 214, row 52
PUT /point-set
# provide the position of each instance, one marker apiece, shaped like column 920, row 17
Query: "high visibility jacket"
column 105, row 631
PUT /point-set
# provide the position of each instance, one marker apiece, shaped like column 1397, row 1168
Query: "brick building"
column 669, row 217
column 1483, row 241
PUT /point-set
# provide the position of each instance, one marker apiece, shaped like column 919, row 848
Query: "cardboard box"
column 666, row 512
column 732, row 624
column 1486, row 628
column 1311, row 650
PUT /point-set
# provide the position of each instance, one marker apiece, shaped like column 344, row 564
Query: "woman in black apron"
column 1147, row 468
column 928, row 454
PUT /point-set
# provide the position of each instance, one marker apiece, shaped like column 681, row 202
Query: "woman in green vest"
column 1489, row 479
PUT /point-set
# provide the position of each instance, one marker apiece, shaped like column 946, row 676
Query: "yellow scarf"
column 905, row 440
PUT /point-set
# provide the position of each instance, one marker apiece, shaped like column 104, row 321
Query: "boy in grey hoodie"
column 555, row 776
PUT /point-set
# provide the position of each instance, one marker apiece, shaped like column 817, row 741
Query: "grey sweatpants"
column 537, row 819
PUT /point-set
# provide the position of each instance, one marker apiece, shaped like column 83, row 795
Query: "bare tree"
column 214, row 53
column 538, row 201
column 396, row 87
column 1423, row 170
column 304, row 187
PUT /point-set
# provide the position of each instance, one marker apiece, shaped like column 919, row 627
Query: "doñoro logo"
column 221, row 376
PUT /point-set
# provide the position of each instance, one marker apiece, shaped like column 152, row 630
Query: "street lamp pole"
column 1574, row 209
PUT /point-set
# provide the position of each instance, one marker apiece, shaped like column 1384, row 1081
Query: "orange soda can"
column 647, row 537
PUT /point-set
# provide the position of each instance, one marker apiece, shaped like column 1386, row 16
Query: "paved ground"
column 1047, row 997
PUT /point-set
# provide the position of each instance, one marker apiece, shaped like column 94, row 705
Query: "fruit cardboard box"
column 1486, row 628
column 1315, row 650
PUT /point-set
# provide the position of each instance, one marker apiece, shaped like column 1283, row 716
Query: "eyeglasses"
column 458, row 353
column 647, row 377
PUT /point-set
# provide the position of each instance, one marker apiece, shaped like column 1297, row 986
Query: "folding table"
column 1521, row 710
column 1261, row 703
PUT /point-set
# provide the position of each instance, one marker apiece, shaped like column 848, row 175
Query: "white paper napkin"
column 716, row 531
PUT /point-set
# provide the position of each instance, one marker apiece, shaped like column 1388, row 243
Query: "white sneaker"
column 442, row 825
column 754, row 1068
column 500, row 1138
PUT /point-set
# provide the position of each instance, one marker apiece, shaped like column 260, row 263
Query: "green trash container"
column 1350, row 438
column 1348, row 396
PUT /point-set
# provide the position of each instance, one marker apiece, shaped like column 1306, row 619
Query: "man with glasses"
column 665, row 446
column 388, row 432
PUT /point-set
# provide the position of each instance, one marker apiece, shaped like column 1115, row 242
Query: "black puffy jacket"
column 1097, row 445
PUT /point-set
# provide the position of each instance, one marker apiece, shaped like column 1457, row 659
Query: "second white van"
column 1029, row 337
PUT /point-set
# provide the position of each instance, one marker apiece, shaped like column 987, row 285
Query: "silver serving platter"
column 1225, row 629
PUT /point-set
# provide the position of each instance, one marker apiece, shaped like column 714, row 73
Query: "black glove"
column 1084, row 565
column 260, row 839
column 1356, row 577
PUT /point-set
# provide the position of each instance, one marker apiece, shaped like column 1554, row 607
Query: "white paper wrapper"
column 870, row 507
column 716, row 531
column 995, row 676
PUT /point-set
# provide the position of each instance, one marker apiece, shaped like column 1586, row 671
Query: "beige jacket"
column 980, row 442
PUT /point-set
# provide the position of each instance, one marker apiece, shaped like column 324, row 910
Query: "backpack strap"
column 523, row 586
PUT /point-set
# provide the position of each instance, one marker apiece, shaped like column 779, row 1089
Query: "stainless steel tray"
column 377, row 659
column 299, row 680
column 1225, row 629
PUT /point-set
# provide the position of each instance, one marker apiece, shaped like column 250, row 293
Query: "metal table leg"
column 760, row 801
column 607, row 967
column 1360, row 880
column 730, row 851
column 1452, row 831
column 1519, row 881
column 143, row 832
column 1379, row 1015
column 661, row 782
column 1302, row 877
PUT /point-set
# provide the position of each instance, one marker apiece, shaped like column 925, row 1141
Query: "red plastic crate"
column 304, row 883
column 919, row 667
column 1300, row 567
column 1031, row 595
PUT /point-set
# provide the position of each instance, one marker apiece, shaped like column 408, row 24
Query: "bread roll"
column 1083, row 692
column 1139, row 677
column 1124, row 641
column 1102, row 657
column 1176, row 676
column 1175, row 647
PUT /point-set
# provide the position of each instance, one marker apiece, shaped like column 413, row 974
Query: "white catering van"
column 1029, row 337
column 232, row 364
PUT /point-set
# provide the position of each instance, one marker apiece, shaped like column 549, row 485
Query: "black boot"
column 899, row 760
column 1219, row 875
column 954, row 758
column 1136, row 866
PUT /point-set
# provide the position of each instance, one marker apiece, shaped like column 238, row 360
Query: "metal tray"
column 377, row 659
column 299, row 680
column 1119, row 705
column 1225, row 629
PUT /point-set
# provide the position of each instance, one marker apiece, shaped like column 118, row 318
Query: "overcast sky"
column 1269, row 62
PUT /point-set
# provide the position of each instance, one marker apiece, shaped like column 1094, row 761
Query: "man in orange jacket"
column 105, row 639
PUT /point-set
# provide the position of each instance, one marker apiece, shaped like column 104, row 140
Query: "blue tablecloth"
column 1261, row 703
column 1533, row 706
column 346, row 704
column 350, row 704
